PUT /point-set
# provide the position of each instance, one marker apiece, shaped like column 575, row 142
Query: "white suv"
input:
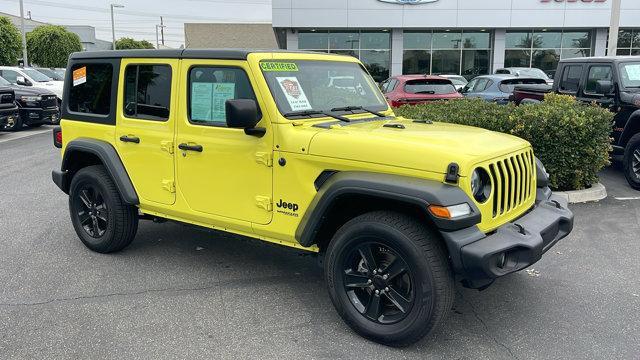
column 31, row 77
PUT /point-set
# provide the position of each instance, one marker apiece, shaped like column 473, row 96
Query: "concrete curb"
column 596, row 192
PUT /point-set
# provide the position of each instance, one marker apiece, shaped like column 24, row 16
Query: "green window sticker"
column 279, row 66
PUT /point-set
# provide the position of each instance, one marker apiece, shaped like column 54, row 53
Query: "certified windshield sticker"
column 80, row 76
column 294, row 93
column 633, row 72
column 279, row 66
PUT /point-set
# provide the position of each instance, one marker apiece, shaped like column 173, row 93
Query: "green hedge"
column 570, row 138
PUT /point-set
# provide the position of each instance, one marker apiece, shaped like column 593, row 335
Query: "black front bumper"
column 481, row 258
column 35, row 116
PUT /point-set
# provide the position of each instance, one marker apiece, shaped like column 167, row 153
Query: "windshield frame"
column 30, row 73
column 382, row 107
column 621, row 69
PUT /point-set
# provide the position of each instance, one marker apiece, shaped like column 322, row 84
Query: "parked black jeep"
column 612, row 82
column 36, row 106
column 8, row 109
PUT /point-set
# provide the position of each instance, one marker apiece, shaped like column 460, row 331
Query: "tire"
column 101, row 219
column 17, row 125
column 631, row 162
column 394, row 241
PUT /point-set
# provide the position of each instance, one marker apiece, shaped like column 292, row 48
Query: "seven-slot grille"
column 49, row 101
column 6, row 99
column 512, row 179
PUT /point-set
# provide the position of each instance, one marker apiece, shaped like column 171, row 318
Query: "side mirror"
column 20, row 80
column 243, row 114
column 604, row 87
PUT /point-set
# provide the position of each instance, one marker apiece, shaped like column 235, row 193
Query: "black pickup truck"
column 8, row 109
column 614, row 83
column 36, row 106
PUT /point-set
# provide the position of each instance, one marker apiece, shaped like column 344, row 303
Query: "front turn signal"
column 450, row 212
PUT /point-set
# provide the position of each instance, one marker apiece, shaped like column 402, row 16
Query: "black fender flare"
column 109, row 158
column 631, row 128
column 413, row 191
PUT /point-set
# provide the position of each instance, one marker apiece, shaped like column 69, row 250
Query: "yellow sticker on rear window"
column 279, row 66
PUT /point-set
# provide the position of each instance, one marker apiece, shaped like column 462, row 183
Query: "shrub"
column 129, row 43
column 51, row 45
column 570, row 138
column 10, row 43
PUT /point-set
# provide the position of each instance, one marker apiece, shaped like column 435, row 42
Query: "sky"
column 138, row 17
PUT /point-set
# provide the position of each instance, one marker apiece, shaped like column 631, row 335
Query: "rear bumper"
column 482, row 258
column 34, row 116
column 61, row 179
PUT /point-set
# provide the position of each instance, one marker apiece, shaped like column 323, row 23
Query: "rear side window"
column 209, row 90
column 147, row 92
column 90, row 91
column 570, row 81
column 426, row 86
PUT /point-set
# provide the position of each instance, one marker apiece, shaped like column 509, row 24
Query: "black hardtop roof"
column 222, row 54
column 610, row 59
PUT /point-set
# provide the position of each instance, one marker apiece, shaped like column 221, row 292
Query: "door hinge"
column 264, row 202
column 167, row 146
column 169, row 185
column 265, row 158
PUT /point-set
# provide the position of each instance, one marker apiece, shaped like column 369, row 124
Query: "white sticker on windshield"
column 633, row 72
column 294, row 93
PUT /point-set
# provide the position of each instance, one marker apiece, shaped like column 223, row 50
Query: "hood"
column 419, row 146
column 54, row 86
column 30, row 90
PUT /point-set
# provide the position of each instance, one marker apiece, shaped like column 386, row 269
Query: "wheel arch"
column 344, row 195
column 632, row 128
column 83, row 152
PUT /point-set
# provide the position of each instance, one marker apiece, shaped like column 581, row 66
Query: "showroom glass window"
column 373, row 48
column 629, row 42
column 544, row 49
column 465, row 53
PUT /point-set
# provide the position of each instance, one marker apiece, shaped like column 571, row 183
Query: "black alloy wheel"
column 92, row 210
column 378, row 282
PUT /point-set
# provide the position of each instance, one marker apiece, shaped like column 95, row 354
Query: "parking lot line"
column 22, row 135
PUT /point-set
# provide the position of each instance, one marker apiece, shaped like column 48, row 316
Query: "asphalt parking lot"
column 183, row 292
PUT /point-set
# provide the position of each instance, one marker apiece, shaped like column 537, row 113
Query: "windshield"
column 4, row 82
column 437, row 87
column 630, row 75
column 458, row 80
column 309, row 86
column 507, row 86
column 36, row 75
column 50, row 73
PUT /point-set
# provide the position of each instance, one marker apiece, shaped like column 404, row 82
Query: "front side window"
column 36, row 75
column 91, row 88
column 571, row 78
column 209, row 89
column 630, row 75
column 597, row 73
column 308, row 86
column 147, row 92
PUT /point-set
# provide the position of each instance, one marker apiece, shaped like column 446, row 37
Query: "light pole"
column 157, row 39
column 113, row 28
column 24, row 37
column 614, row 28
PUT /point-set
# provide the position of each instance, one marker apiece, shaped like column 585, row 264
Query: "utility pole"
column 157, row 39
column 614, row 28
column 24, row 37
column 113, row 27
column 162, row 30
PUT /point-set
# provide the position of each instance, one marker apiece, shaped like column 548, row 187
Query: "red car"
column 418, row 89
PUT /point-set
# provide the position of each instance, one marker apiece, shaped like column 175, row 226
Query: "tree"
column 10, row 43
column 51, row 45
column 129, row 43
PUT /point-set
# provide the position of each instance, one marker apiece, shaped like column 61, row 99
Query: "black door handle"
column 187, row 147
column 130, row 139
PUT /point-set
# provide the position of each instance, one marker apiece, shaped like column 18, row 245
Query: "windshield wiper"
column 353, row 108
column 315, row 112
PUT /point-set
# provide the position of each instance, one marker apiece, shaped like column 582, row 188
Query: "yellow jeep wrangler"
column 265, row 145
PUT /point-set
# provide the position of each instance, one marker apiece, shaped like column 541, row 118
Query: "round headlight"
column 480, row 185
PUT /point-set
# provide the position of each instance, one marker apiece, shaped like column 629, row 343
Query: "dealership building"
column 467, row 37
